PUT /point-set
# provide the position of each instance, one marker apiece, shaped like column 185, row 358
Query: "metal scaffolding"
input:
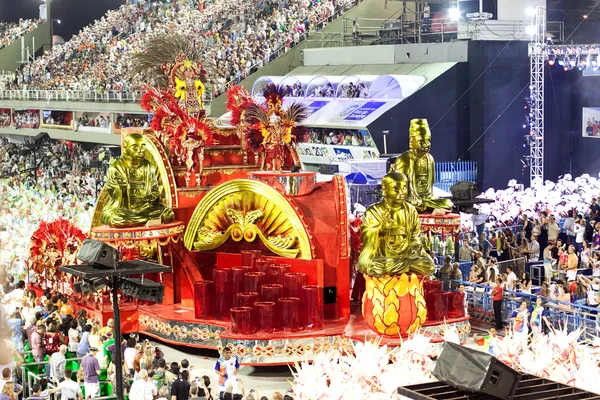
column 537, row 57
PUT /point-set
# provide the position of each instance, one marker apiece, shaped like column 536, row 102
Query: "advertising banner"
column 325, row 153
column 591, row 121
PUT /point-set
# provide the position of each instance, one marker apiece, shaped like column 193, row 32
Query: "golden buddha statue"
column 134, row 194
column 390, row 234
column 419, row 167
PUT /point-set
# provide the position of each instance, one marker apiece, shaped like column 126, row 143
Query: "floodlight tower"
column 537, row 58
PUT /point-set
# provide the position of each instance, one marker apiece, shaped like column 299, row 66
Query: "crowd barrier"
column 561, row 315
column 450, row 173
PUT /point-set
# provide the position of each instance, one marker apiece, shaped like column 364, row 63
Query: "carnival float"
column 260, row 252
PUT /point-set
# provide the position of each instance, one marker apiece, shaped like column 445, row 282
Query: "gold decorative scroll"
column 244, row 209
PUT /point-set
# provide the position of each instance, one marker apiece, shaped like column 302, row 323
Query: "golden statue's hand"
column 381, row 266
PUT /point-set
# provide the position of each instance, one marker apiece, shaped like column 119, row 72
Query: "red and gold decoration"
column 394, row 305
column 54, row 244
column 247, row 210
column 176, row 101
column 269, row 129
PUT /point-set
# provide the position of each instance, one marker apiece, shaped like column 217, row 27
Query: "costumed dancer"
column 520, row 320
column 226, row 367
column 538, row 318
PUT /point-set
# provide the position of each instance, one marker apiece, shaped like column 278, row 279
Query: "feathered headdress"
column 171, row 64
column 151, row 65
column 54, row 244
column 270, row 126
column 238, row 100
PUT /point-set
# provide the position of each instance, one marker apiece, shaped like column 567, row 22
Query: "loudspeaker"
column 473, row 371
column 465, row 190
column 98, row 254
column 329, row 169
column 143, row 290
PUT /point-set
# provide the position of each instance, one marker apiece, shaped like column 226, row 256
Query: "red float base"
column 176, row 325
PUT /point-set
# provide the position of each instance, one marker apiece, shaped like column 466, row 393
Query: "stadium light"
column 531, row 30
column 454, row 14
column 530, row 11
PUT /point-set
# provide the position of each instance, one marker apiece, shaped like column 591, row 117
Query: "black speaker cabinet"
column 98, row 254
column 474, row 371
column 465, row 190
column 329, row 169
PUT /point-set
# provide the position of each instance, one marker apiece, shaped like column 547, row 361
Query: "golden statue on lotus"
column 134, row 195
column 393, row 261
column 419, row 167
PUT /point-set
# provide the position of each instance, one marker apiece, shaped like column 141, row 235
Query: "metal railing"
column 408, row 28
column 449, row 173
column 411, row 27
column 106, row 96
column 560, row 314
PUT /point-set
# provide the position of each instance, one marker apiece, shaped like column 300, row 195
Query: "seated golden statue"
column 133, row 190
column 390, row 234
column 419, row 167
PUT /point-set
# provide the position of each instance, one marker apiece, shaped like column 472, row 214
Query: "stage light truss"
column 537, row 57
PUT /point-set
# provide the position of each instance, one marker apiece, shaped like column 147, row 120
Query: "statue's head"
column 420, row 136
column 134, row 147
column 394, row 188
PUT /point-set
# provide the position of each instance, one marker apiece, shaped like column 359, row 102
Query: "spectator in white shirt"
column 142, row 389
column 57, row 364
column 533, row 250
column 553, row 229
column 511, row 279
column 69, row 389
column 579, row 229
column 569, row 227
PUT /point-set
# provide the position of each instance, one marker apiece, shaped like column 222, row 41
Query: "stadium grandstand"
column 12, row 31
column 236, row 39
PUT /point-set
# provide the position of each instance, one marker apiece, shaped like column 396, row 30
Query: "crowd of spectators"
column 565, row 246
column 53, row 120
column 45, row 324
column 58, row 180
column 101, row 121
column 131, row 121
column 26, row 118
column 343, row 137
column 236, row 38
column 12, row 31
column 349, row 90
column 61, row 167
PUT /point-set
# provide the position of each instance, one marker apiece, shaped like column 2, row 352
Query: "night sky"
column 74, row 14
